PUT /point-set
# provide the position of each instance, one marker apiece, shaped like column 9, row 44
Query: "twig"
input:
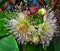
column 54, row 7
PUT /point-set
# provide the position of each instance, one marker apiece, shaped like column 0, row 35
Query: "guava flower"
column 24, row 31
column 47, row 29
column 21, row 28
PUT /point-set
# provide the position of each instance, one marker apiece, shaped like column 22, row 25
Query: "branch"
column 54, row 7
column 44, row 3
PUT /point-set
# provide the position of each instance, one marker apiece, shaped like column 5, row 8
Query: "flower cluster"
column 33, row 25
column 27, row 32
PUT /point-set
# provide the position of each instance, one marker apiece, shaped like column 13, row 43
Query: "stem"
column 44, row 3
column 19, row 46
column 54, row 7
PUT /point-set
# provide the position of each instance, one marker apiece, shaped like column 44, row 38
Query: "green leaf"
column 57, row 43
column 32, row 47
column 8, row 44
column 37, row 19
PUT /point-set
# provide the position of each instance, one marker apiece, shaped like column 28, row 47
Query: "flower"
column 25, row 31
column 21, row 27
column 47, row 29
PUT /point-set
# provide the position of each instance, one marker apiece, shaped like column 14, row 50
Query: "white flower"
column 25, row 32
column 47, row 29
column 21, row 28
